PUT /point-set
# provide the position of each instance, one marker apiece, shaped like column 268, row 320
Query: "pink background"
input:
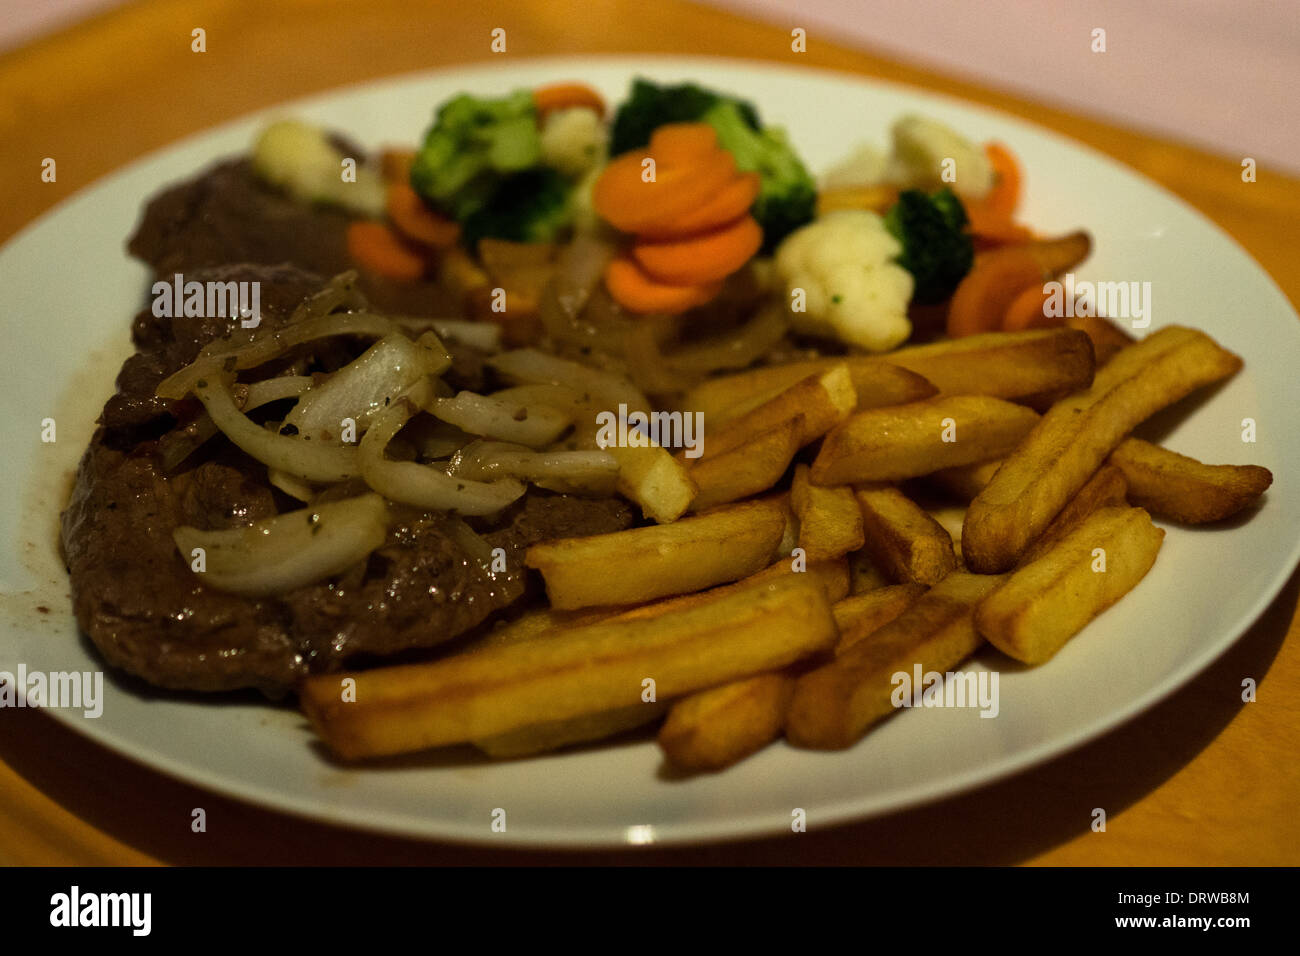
column 1222, row 74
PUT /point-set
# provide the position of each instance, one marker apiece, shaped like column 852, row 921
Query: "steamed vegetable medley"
column 683, row 228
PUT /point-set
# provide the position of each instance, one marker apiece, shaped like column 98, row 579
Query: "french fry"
column 535, row 623
column 835, row 703
column 542, row 738
column 817, row 403
column 1049, row 600
column 830, row 521
column 875, row 381
column 715, row 728
column 1011, row 365
column 905, row 542
column 746, row 469
column 964, row 482
column 631, row 567
column 904, row 441
column 655, row 480
column 864, row 573
column 832, row 576
column 831, row 573
column 861, row 615
column 1107, row 337
column 589, row 670
column 1075, row 436
column 1170, row 485
column 1105, row 489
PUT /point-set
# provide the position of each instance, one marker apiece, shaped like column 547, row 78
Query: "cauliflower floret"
column 852, row 287
column 920, row 147
column 574, row 140
column 865, row 166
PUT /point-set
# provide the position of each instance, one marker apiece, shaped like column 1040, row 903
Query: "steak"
column 136, row 598
column 227, row 214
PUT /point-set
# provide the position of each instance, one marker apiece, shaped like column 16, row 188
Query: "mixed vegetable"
column 683, row 201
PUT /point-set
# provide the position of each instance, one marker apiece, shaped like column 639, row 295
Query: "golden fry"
column 830, row 521
column 1076, row 435
column 1049, row 600
column 904, row 441
column 1004, row 364
column 860, row 616
column 715, row 728
column 904, row 542
column 589, row 670
column 631, row 567
column 834, row 704
column 1173, row 486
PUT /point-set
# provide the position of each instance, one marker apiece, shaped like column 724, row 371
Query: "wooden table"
column 1201, row 778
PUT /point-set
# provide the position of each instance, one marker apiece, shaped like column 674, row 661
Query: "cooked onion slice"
column 593, row 472
column 484, row 336
column 365, row 386
column 290, row 550
column 313, row 460
column 523, row 424
column 530, row 366
column 178, row 445
column 424, row 486
column 291, row 485
column 241, row 352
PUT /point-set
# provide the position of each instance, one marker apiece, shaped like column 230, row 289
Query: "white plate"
column 71, row 290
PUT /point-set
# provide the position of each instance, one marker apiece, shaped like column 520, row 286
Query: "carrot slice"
column 377, row 248
column 1028, row 311
column 628, row 202
column 993, row 215
column 707, row 257
column 415, row 220
column 638, row 292
column 682, row 142
column 982, row 298
column 563, row 96
column 731, row 202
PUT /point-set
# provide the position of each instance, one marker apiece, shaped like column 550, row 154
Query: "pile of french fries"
column 792, row 572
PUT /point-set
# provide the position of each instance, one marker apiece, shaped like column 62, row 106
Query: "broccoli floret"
column 936, row 248
column 472, row 146
column 532, row 206
column 787, row 196
column 650, row 106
